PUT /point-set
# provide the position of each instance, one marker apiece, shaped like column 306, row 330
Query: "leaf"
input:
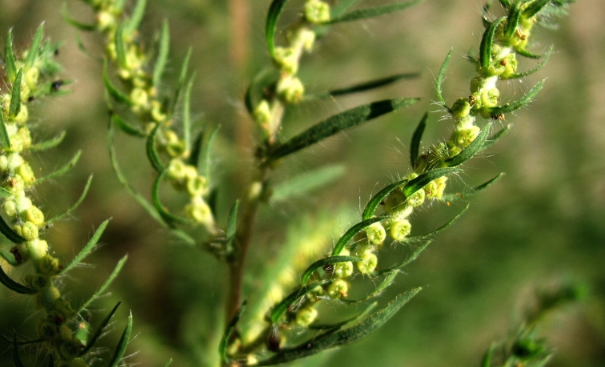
column 441, row 78
column 75, row 206
column 546, row 57
column 205, row 166
column 319, row 264
column 513, row 18
column 61, row 171
column 10, row 233
column 120, row 45
column 373, row 12
column 470, row 191
column 182, row 77
column 306, row 182
column 232, row 224
column 8, row 257
column 126, row 126
column 4, row 193
column 362, row 87
column 99, row 331
column 9, row 57
column 230, row 328
column 494, row 138
column 527, row 54
column 335, row 327
column 114, row 92
column 15, row 105
column 535, row 7
column 342, row 337
column 351, row 232
column 16, row 358
column 114, row 274
column 14, row 286
column 83, row 48
column 256, row 90
column 293, row 297
column 340, row 7
column 5, row 142
column 275, row 10
column 32, row 54
column 168, row 217
column 168, row 363
column 505, row 3
column 187, row 114
column 522, row 102
column 409, row 260
column 87, row 249
column 372, row 205
column 388, row 280
column 469, row 152
column 75, row 23
column 421, row 181
column 485, row 50
column 160, row 63
column 122, row 344
column 416, row 139
column 152, row 153
column 428, row 236
column 487, row 358
column 338, row 123
column 134, row 22
column 48, row 144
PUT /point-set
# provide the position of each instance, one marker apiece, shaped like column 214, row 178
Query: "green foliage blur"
column 540, row 225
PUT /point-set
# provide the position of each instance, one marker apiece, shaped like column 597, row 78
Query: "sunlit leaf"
column 9, row 57
column 416, row 139
column 271, row 24
column 485, row 50
column 228, row 332
column 522, row 102
column 441, row 78
column 120, row 46
column 32, row 54
column 372, row 205
column 362, row 87
column 5, row 142
column 150, row 147
column 114, row 92
column 133, row 23
column 15, row 105
column 281, row 308
column 374, row 12
column 75, row 23
column 535, row 7
column 430, row 235
column 99, row 331
column 386, row 282
column 468, row 192
column 114, row 274
column 513, row 18
column 168, row 217
column 469, row 152
column 9, row 257
column 75, row 206
column 421, row 181
column 48, row 144
column 351, row 232
column 497, row 136
column 160, row 62
column 87, row 249
column 127, row 127
column 545, row 59
column 186, row 119
column 61, row 171
column 118, row 354
column 182, row 78
column 409, row 260
column 10, row 233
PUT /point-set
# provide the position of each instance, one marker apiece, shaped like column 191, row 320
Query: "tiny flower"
column 376, row 233
column 290, row 89
column 399, row 229
column 339, row 288
column 368, row 263
column 306, row 316
column 317, row 11
column 287, row 59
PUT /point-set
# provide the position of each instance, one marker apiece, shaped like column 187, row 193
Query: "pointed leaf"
column 545, row 59
column 196, row 149
column 75, row 23
column 122, row 344
column 182, row 77
column 534, row 7
column 416, row 139
column 338, row 123
column 10, row 233
column 224, row 344
column 522, row 102
column 306, row 182
column 340, row 7
column 14, row 286
column 9, row 257
column 134, row 22
column 319, row 264
column 275, row 10
column 487, row 358
column 61, row 171
column 421, row 181
column 362, row 87
column 258, row 88
column 83, row 48
column 9, row 57
column 372, row 205
column 505, row 3
column 527, row 54
column 513, row 18
column 160, row 63
column 32, row 54
column 349, row 322
column 470, row 151
column 114, row 92
column 127, row 127
column 428, row 236
column 75, row 206
column 232, row 223
column 206, row 160
column 470, row 191
column 407, row 261
column 388, row 280
column 351, row 232
column 152, row 153
column 48, row 144
column 441, row 78
column 15, row 105
column 374, row 12
column 114, row 274
column 168, row 217
column 292, row 298
column 168, row 363
column 120, row 45
column 485, row 50
column 87, row 249
column 99, row 331
column 187, row 114
column 494, row 138
column 5, row 142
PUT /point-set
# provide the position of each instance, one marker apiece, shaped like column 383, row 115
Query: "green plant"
column 139, row 107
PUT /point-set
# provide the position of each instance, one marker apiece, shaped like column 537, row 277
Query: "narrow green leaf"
column 14, row 286
column 122, row 344
column 532, row 70
column 196, row 149
column 421, row 181
column 497, row 136
column 114, row 274
column 16, row 357
column 522, row 102
column 61, row 171
column 232, row 222
column 168, row 217
column 126, row 127
column 388, row 280
column 485, row 50
column 120, row 45
column 187, row 114
column 373, row 12
column 469, row 152
column 292, row 298
column 258, row 88
column 212, row 201
column 428, row 236
column 168, row 363
column 487, row 358
column 15, row 105
column 9, row 57
column 10, row 233
column 338, row 123
column 372, row 205
column 160, row 63
column 4, row 193
column 271, row 24
column 505, row 3
column 5, row 142
column 48, row 144
column 75, row 206
column 325, row 261
column 470, row 191
column 535, row 7
column 83, row 48
column 206, row 161
column 75, row 23
column 409, row 260
column 527, row 54
column 342, row 337
column 441, row 78
column 224, row 344
column 306, row 182
column 513, row 18
column 134, row 22
column 340, row 7
column 349, row 322
column 8, row 257
column 416, row 139
column 152, row 153
column 182, row 77
column 99, row 331
column 351, row 232
column 362, row 87
column 87, row 249
column 32, row 54
column 114, row 92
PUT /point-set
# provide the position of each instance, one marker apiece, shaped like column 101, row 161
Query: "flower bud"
column 489, row 98
column 368, row 263
column 35, row 215
column 262, row 114
column 416, row 199
column 10, row 208
column 305, row 316
column 343, row 269
column 339, row 288
column 31, row 76
column 435, row 188
column 317, row 11
column 29, row 231
column 290, row 89
column 49, row 265
column 199, row 211
column 26, row 173
column 399, row 229
column 37, row 248
column 197, row 186
column 376, row 233
column 461, row 108
column 287, row 59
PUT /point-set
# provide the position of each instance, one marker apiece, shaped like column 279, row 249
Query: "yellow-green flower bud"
column 368, row 263
column 489, row 98
column 290, row 89
column 31, row 76
column 139, row 98
column 35, row 215
column 26, row 138
column 305, row 316
column 14, row 161
column 16, row 185
column 199, row 211
column 435, row 188
column 37, row 248
column 37, row 281
column 317, row 11
column 10, row 208
column 47, row 297
column 339, row 288
column 510, row 65
column 26, row 173
column 262, row 114
column 461, row 108
column 23, row 203
column 376, row 233
column 464, row 137
column 307, row 38
column 23, row 114
column 343, row 270
column 287, row 59
column 3, row 163
column 176, row 170
column 416, row 199
column 105, row 20
column 399, row 229
column 197, row 186
column 49, row 265
column 29, row 231
column 156, row 111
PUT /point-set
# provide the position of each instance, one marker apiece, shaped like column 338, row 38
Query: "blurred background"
column 540, row 225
